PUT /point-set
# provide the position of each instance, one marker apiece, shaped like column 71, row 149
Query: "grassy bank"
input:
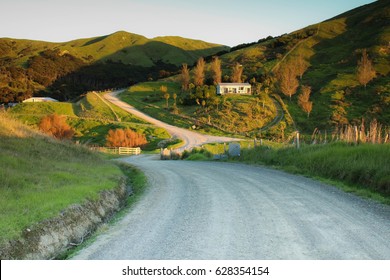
column 40, row 177
column 91, row 118
column 363, row 169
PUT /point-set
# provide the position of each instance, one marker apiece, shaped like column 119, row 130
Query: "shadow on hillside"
column 340, row 53
column 151, row 52
column 126, row 67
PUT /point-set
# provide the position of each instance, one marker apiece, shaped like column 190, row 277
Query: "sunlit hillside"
column 331, row 50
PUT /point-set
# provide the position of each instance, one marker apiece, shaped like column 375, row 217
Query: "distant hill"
column 121, row 46
column 64, row 70
column 332, row 50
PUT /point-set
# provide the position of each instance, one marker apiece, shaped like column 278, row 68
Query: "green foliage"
column 361, row 167
column 197, row 154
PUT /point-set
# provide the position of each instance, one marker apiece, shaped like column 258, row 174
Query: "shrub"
column 125, row 138
column 56, row 126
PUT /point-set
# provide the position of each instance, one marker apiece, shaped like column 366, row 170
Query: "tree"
column 185, row 77
column 237, row 73
column 124, row 138
column 163, row 89
column 216, row 70
column 301, row 66
column 199, row 72
column 56, row 126
column 288, row 81
column 166, row 96
column 365, row 70
column 303, row 100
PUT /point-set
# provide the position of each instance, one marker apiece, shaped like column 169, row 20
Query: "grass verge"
column 361, row 169
column 40, row 177
column 138, row 182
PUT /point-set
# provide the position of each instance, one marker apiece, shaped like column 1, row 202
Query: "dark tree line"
column 64, row 77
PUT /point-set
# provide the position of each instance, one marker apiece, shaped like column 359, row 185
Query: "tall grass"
column 374, row 133
column 40, row 177
column 365, row 167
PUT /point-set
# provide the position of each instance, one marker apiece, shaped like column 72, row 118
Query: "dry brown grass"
column 10, row 127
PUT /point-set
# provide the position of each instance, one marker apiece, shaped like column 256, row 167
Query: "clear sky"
column 218, row 21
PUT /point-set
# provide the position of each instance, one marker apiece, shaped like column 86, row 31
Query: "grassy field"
column 91, row 118
column 40, row 177
column 363, row 169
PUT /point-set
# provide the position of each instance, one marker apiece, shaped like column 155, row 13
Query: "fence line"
column 118, row 150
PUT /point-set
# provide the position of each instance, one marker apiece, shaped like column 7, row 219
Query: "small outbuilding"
column 234, row 88
column 40, row 99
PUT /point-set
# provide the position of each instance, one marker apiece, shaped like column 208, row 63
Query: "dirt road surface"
column 191, row 139
column 217, row 210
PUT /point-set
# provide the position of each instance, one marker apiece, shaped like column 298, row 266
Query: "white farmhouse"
column 40, row 99
column 234, row 88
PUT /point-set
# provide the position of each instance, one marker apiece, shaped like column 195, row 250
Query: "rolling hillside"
column 90, row 118
column 120, row 46
column 65, row 70
column 332, row 50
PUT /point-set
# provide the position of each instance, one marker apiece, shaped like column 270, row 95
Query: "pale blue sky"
column 219, row 21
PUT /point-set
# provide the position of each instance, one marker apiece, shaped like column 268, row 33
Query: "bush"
column 125, row 138
column 56, row 126
column 196, row 154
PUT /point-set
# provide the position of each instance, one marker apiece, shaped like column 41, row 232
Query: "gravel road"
column 191, row 139
column 216, row 210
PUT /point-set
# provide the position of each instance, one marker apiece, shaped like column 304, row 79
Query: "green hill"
column 332, row 50
column 65, row 70
column 91, row 118
column 120, row 46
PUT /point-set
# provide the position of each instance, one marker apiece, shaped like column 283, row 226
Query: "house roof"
column 40, row 99
column 234, row 84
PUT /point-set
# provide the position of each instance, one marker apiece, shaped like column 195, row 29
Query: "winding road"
column 217, row 210
column 190, row 139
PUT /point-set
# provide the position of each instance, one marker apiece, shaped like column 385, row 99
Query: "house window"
column 241, row 88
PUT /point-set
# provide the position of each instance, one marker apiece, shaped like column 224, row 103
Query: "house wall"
column 233, row 89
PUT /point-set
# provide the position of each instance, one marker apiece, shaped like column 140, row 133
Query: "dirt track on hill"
column 191, row 139
column 216, row 210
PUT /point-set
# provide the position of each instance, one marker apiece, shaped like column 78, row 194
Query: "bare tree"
column 199, row 72
column 303, row 100
column 288, row 81
column 216, row 70
column 301, row 65
column 237, row 73
column 166, row 96
column 365, row 70
column 163, row 89
column 185, row 77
